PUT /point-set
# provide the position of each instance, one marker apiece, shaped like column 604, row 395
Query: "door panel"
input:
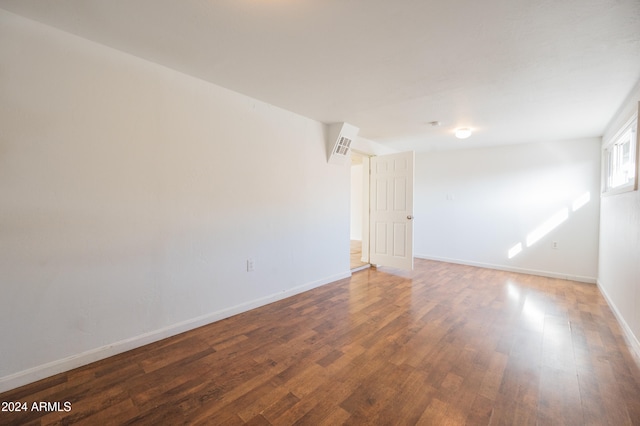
column 391, row 214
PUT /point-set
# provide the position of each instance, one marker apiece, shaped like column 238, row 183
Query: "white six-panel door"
column 391, row 210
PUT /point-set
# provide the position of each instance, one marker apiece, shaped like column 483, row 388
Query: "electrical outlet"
column 554, row 245
column 250, row 265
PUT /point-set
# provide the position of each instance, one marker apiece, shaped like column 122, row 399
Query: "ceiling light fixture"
column 463, row 133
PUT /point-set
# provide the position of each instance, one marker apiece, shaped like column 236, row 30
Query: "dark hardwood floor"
column 445, row 344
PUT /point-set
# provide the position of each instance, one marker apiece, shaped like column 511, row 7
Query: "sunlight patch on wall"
column 581, row 201
column 552, row 223
column 515, row 250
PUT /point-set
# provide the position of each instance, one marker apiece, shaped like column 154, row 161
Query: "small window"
column 620, row 160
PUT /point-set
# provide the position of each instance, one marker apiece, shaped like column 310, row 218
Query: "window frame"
column 628, row 134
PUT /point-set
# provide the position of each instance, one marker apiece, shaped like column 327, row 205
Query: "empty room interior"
column 319, row 212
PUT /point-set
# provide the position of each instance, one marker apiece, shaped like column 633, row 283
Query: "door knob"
column 409, row 217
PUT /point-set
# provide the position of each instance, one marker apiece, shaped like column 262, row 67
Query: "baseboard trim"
column 590, row 280
column 361, row 268
column 39, row 372
column 631, row 339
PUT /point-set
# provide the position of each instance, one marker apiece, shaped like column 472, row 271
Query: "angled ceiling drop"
column 341, row 135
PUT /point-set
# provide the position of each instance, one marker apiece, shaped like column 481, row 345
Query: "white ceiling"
column 515, row 71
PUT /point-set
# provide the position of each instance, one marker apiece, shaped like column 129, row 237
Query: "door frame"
column 366, row 164
column 366, row 202
column 391, row 212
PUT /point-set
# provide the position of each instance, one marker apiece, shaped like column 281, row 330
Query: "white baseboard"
column 590, row 280
column 631, row 338
column 39, row 372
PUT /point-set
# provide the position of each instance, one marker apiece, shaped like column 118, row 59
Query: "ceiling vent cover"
column 340, row 137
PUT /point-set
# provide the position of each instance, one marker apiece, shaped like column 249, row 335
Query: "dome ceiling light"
column 463, row 133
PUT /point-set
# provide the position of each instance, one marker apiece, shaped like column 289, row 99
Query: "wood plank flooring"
column 444, row 344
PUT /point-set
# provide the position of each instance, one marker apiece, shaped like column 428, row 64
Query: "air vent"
column 343, row 145
column 340, row 137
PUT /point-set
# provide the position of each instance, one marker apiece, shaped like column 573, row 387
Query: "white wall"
column 369, row 147
column 619, row 268
column 132, row 195
column 473, row 206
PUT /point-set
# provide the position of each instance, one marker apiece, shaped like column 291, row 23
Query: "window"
column 620, row 160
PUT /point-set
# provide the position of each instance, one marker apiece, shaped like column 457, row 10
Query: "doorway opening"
column 359, row 223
